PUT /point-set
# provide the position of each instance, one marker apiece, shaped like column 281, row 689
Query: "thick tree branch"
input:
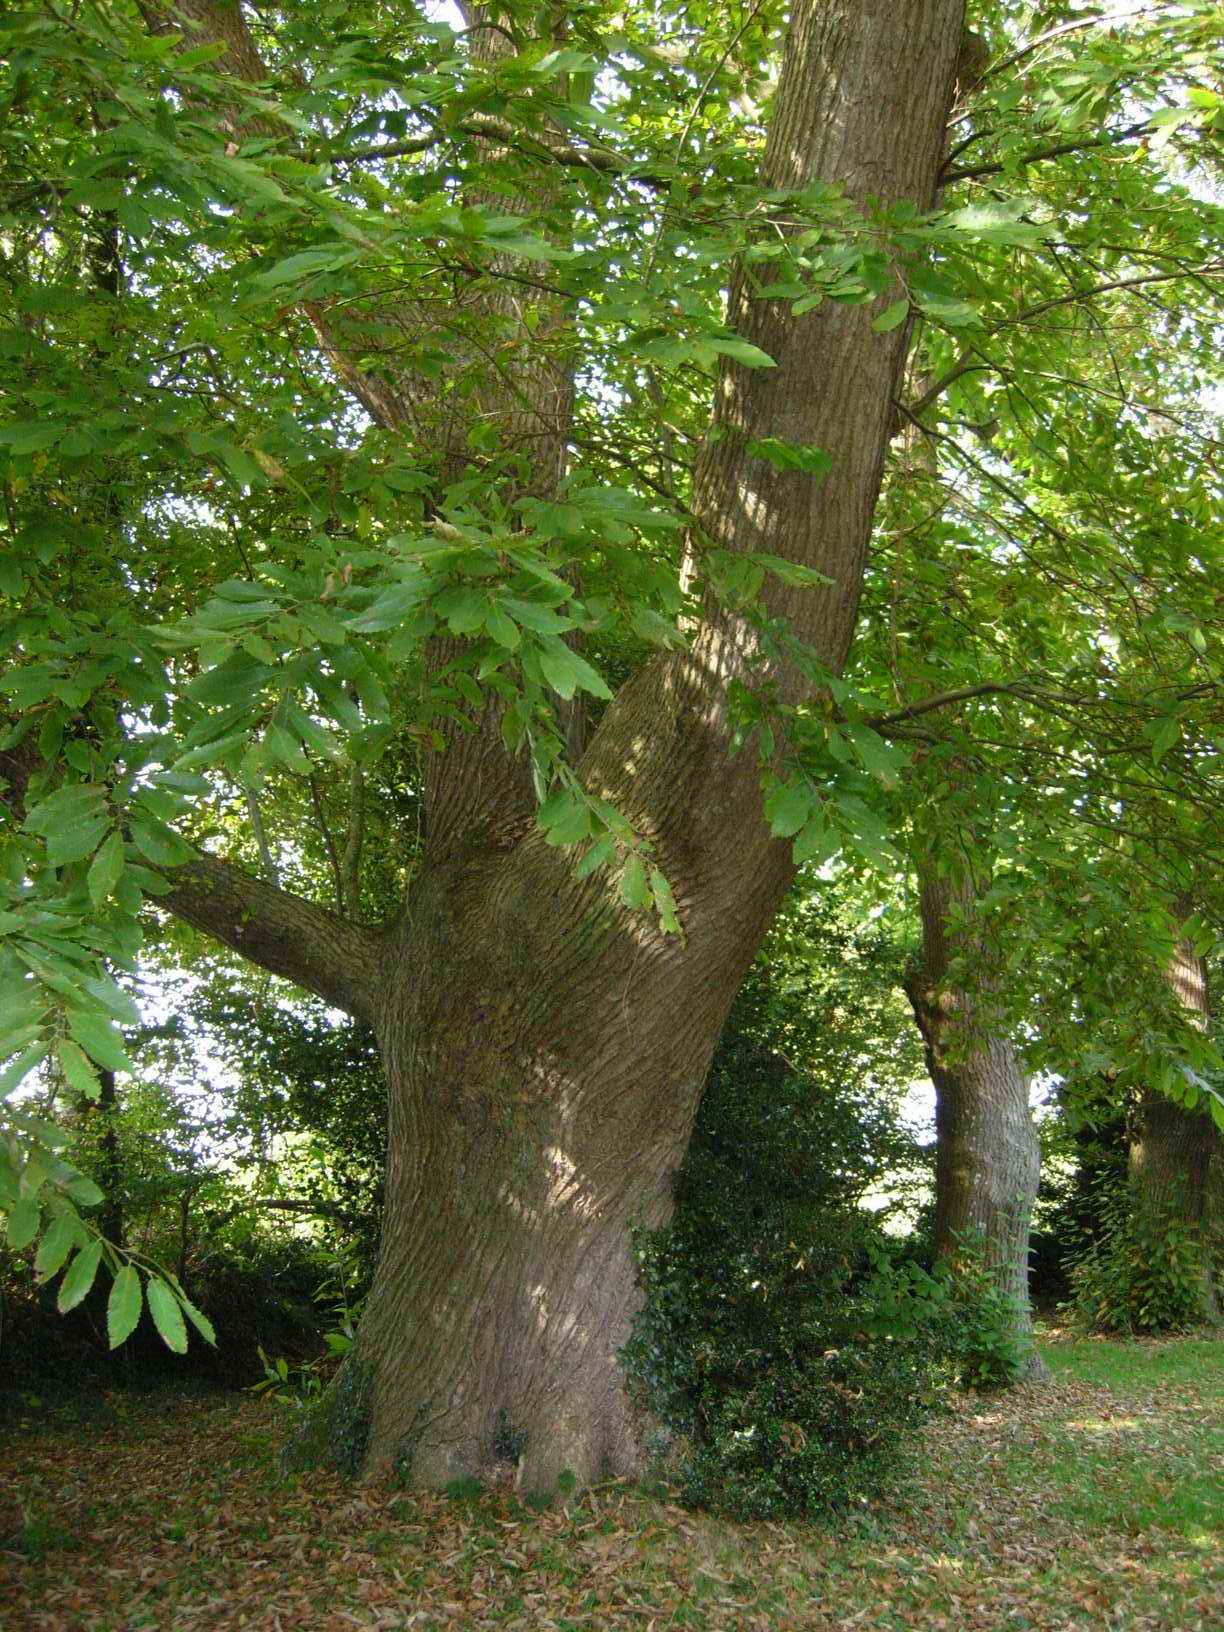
column 340, row 962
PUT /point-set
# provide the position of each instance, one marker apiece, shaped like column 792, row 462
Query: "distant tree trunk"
column 1171, row 1147
column 988, row 1158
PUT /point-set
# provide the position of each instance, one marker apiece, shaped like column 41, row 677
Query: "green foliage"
column 980, row 1329
column 1147, row 1272
column 766, row 1341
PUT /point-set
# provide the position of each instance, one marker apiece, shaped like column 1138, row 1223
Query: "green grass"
column 1096, row 1501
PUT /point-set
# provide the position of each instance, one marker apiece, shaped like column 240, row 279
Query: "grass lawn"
column 1096, row 1500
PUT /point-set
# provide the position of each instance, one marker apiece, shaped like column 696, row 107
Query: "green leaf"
column 892, row 317
column 816, row 841
column 21, row 1067
column 158, row 843
column 634, row 889
column 77, row 1069
column 106, row 869
column 73, row 843
column 559, row 669
column 1167, row 735
column 599, row 854
column 503, row 628
column 565, row 817
column 64, row 1233
column 80, row 1277
column 305, row 264
column 787, row 807
column 740, row 351
column 99, row 1038
column 167, row 1316
column 665, row 902
column 996, row 223
column 123, row 1306
column 199, row 1320
column 23, row 1222
column 82, row 1189
column 791, row 456
column 566, row 672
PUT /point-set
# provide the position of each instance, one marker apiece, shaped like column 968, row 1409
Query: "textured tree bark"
column 545, row 1046
column 1171, row 1147
column 987, row 1154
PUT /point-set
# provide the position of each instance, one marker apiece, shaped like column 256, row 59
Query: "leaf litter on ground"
column 1095, row 1500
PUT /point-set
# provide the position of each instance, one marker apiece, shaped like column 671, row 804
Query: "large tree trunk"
column 544, row 1044
column 987, row 1154
column 1171, row 1147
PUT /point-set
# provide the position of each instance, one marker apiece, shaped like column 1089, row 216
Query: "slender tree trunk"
column 988, row 1158
column 544, row 1044
column 1171, row 1147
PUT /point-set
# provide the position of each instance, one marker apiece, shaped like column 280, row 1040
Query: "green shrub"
column 979, row 1327
column 778, row 1342
column 1147, row 1272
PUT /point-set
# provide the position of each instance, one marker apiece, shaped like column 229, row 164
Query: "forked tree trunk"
column 545, row 1045
column 987, row 1153
column 1171, row 1147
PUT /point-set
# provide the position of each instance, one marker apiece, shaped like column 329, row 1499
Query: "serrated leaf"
column 106, row 869
column 23, row 1222
column 503, row 628
column 892, row 317
column 77, row 1069
column 787, row 807
column 100, row 1040
column 634, row 889
column 815, row 841
column 665, row 902
column 123, row 1306
column 199, row 1320
column 80, row 1277
column 740, row 351
column 167, row 1316
column 64, row 1233
column 596, row 857
column 558, row 668
column 565, row 818
column 82, row 1189
column 19, row 1070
